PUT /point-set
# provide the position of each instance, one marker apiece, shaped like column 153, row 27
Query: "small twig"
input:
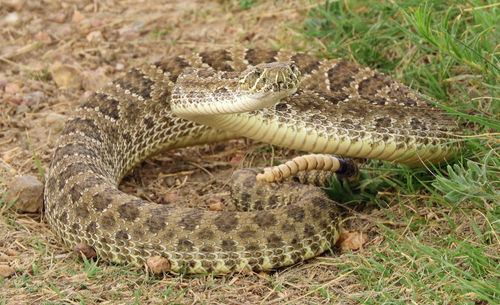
column 324, row 285
column 481, row 7
column 282, row 298
column 202, row 168
column 26, row 49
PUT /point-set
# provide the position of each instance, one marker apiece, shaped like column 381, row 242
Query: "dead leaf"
column 158, row 264
column 85, row 250
column 351, row 241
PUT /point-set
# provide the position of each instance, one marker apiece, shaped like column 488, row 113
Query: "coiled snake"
column 290, row 99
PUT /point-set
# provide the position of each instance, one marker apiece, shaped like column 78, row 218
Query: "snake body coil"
column 338, row 108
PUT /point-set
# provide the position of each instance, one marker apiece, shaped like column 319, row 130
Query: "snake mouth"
column 269, row 97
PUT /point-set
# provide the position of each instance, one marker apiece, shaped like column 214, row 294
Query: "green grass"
column 247, row 4
column 446, row 247
column 448, row 50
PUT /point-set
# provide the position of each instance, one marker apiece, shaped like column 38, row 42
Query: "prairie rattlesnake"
column 339, row 108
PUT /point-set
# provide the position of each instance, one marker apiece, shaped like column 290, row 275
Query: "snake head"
column 281, row 78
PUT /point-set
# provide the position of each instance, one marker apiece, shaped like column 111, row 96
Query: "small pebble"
column 53, row 118
column 236, row 160
column 11, row 252
column 57, row 17
column 33, row 5
column 63, row 30
column 128, row 33
column 77, row 16
column 158, row 264
column 11, row 88
column 216, row 207
column 34, row 98
column 12, row 19
column 170, row 197
column 351, row 241
column 236, row 143
column 84, row 26
column 93, row 80
column 28, row 191
column 65, row 76
column 42, row 37
column 21, row 109
column 94, row 36
column 138, row 25
column 96, row 23
column 213, row 199
column 6, row 271
column 89, row 8
column 14, row 4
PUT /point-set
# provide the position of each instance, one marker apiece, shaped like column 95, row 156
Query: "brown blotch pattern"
column 309, row 230
column 92, row 227
column 217, row 60
column 129, row 210
column 75, row 227
column 107, row 222
column 191, row 220
column 297, row 213
column 206, row 234
column 72, row 170
column 82, row 211
column 371, row 86
column 142, row 86
column 274, row 240
column 255, row 56
column 228, row 245
column 86, row 126
column 383, row 122
column 246, row 232
column 123, row 235
column 63, row 218
column 206, row 73
column 338, row 76
column 110, row 109
column 306, row 63
column 75, row 193
column 226, row 221
column 185, row 245
column 101, row 202
column 264, row 219
column 156, row 221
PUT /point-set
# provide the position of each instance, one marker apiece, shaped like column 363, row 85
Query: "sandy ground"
column 52, row 55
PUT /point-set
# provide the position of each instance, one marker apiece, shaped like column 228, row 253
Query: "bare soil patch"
column 52, row 55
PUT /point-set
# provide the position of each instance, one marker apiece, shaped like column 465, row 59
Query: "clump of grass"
column 41, row 75
column 246, row 4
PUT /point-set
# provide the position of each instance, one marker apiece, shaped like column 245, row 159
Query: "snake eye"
column 257, row 72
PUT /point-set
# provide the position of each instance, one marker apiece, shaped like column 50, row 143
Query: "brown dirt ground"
column 94, row 41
